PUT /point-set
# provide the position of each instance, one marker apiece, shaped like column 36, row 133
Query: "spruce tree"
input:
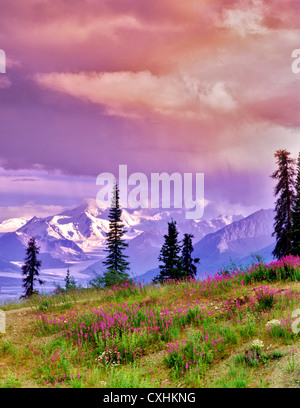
column 171, row 266
column 189, row 268
column 284, row 189
column 115, row 262
column 296, row 215
column 67, row 279
column 70, row 282
column 30, row 270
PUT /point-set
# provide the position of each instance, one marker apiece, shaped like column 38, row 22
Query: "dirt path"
column 286, row 373
column 35, row 308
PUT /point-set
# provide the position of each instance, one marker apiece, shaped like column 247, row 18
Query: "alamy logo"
column 2, row 62
column 165, row 191
column 2, row 321
column 296, row 62
column 295, row 328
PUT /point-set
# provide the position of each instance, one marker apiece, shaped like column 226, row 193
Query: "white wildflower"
column 257, row 343
column 273, row 323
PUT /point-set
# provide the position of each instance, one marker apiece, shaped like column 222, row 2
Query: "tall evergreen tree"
column 296, row 215
column 171, row 266
column 284, row 189
column 189, row 268
column 115, row 261
column 70, row 282
column 31, row 267
column 68, row 279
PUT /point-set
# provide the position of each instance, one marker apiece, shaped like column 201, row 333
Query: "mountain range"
column 79, row 235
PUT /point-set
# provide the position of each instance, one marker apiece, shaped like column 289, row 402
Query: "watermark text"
column 295, row 328
column 2, row 62
column 162, row 190
column 2, row 321
column 296, row 62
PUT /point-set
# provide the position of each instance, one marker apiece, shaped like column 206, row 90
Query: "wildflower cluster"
column 120, row 333
column 282, row 329
column 193, row 355
column 286, row 268
column 253, row 356
column 133, row 320
column 257, row 344
column 265, row 297
column 273, row 323
column 109, row 357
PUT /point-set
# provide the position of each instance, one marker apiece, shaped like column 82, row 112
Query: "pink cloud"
column 131, row 94
column 174, row 85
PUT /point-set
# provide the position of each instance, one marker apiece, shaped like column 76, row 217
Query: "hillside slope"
column 234, row 332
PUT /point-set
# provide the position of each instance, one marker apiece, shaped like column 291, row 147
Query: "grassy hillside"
column 234, row 329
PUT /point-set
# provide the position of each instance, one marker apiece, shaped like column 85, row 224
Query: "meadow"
column 234, row 329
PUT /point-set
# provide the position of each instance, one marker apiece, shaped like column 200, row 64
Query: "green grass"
column 237, row 376
column 180, row 334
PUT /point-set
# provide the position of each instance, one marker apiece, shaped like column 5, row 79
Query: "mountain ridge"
column 79, row 234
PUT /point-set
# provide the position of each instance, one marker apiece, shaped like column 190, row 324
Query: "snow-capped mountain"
column 148, row 244
column 237, row 241
column 79, row 235
column 143, row 250
column 73, row 235
column 54, row 248
column 87, row 225
column 12, row 224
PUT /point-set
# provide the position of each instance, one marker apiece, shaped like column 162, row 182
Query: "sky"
column 203, row 86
